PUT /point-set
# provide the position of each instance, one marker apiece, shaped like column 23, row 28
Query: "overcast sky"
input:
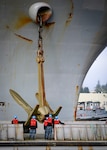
column 98, row 71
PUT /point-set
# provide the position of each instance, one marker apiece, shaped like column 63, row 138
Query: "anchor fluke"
column 21, row 101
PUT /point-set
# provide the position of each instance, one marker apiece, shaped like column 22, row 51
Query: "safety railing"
column 71, row 131
column 81, row 131
column 11, row 132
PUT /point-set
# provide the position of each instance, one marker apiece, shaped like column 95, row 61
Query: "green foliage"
column 98, row 88
column 84, row 90
column 101, row 88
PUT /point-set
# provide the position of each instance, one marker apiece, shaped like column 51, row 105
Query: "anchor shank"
column 40, row 60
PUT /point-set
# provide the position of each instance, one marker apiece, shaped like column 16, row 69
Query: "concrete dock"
column 52, row 143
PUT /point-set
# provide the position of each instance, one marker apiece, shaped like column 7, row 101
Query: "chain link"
column 40, row 29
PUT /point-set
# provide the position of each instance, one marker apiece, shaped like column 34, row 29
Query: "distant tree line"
column 98, row 88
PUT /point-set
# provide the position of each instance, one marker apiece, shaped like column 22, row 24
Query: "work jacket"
column 49, row 121
column 33, row 123
column 56, row 121
column 15, row 121
column 45, row 123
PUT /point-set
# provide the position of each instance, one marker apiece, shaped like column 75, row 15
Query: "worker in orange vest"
column 15, row 120
column 49, row 127
column 57, row 121
column 45, row 127
column 33, row 126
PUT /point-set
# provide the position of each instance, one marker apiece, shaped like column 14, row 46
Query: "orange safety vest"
column 33, row 122
column 49, row 121
column 56, row 121
column 14, row 121
column 45, row 123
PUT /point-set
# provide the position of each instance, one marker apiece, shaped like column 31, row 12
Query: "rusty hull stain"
column 77, row 89
column 22, row 21
column 48, row 148
column 49, row 24
column 69, row 18
column 90, row 148
column 80, row 148
column 22, row 37
column 70, row 14
column 7, row 27
column 75, row 110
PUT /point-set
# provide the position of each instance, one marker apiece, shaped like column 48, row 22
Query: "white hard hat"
column 56, row 117
column 33, row 117
column 15, row 116
column 50, row 115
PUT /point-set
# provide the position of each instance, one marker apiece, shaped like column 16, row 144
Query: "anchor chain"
column 40, row 29
column 40, row 57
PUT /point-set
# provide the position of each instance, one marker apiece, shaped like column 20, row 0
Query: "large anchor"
column 43, row 108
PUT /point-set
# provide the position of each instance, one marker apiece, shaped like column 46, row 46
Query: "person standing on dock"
column 45, row 127
column 15, row 120
column 33, row 126
column 49, row 127
column 57, row 121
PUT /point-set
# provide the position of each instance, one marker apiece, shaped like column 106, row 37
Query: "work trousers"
column 49, row 132
column 32, row 133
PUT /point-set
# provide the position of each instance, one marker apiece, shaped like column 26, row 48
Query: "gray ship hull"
column 74, row 36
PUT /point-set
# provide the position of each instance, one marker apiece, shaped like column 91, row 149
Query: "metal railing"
column 11, row 132
column 81, row 131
